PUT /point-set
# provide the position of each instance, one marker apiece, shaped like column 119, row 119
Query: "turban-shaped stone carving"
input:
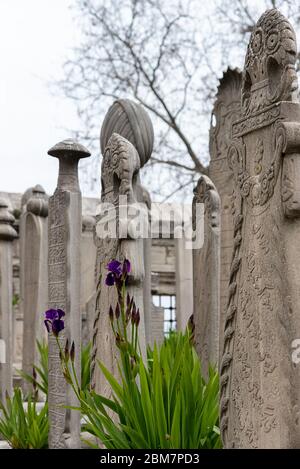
column 131, row 121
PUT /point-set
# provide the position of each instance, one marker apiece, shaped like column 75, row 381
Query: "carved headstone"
column 227, row 108
column 123, row 156
column 64, row 254
column 259, row 382
column 7, row 235
column 206, row 275
column 33, row 272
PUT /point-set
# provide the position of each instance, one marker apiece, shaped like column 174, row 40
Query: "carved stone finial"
column 38, row 202
column 6, row 221
column 227, row 109
column 131, row 121
column 206, row 193
column 69, row 148
column 269, row 72
column 88, row 223
column 69, row 153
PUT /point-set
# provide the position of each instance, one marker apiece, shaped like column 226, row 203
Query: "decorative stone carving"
column 120, row 178
column 206, row 275
column 33, row 272
column 64, row 237
column 131, row 121
column 227, row 109
column 7, row 235
column 259, row 383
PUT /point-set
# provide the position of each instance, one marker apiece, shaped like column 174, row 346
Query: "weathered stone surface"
column 259, row 382
column 184, row 284
column 88, row 281
column 143, row 197
column 206, row 275
column 131, row 121
column 7, row 235
column 33, row 273
column 64, row 259
column 126, row 143
column 157, row 325
column 119, row 175
column 227, row 109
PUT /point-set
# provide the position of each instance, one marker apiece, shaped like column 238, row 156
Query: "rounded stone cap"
column 38, row 202
column 131, row 121
column 88, row 223
column 7, row 231
column 70, row 148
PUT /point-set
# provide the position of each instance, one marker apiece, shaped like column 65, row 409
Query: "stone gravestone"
column 206, row 275
column 33, row 273
column 124, row 153
column 259, row 382
column 7, row 235
column 64, row 255
column 227, row 108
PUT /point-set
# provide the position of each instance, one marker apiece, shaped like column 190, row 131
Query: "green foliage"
column 39, row 377
column 86, row 366
column 169, row 406
column 24, row 428
column 15, row 299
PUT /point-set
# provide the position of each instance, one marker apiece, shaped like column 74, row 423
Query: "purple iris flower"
column 53, row 321
column 126, row 267
column 117, row 272
column 110, row 279
column 114, row 267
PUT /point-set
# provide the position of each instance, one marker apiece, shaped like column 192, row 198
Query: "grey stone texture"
column 184, row 284
column 33, row 230
column 227, row 109
column 64, row 259
column 88, row 281
column 259, row 382
column 7, row 235
column 206, row 275
column 123, row 156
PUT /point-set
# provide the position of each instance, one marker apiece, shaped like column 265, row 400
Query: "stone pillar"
column 157, row 325
column 88, row 284
column 184, row 284
column 206, row 269
column 7, row 235
column 33, row 274
column 145, row 199
column 227, row 109
column 123, row 156
column 259, row 381
column 64, row 254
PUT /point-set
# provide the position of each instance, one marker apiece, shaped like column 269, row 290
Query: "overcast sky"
column 35, row 38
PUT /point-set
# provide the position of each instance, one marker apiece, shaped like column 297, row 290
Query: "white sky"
column 35, row 38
